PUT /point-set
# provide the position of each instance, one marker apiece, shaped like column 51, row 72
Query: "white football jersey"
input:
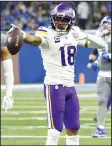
column 58, row 53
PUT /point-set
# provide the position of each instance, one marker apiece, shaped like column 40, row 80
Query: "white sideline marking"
column 39, row 87
column 31, row 136
column 45, row 127
column 42, row 118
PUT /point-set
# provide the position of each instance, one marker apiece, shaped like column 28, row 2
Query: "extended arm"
column 92, row 41
column 31, row 39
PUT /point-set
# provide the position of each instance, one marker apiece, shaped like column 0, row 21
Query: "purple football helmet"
column 62, row 18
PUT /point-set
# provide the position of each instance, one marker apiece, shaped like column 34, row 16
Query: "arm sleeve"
column 91, row 41
column 95, row 42
column 44, row 36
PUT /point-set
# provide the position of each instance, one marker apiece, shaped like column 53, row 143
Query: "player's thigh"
column 103, row 89
column 5, row 53
column 71, row 115
column 55, row 101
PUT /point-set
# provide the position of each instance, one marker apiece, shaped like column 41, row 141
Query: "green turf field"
column 26, row 123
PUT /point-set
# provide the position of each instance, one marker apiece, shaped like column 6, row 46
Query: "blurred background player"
column 104, row 75
column 94, row 65
column 8, row 73
column 58, row 45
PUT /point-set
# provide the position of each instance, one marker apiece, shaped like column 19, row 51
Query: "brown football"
column 14, row 41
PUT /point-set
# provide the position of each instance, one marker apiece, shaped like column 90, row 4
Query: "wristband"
column 23, row 33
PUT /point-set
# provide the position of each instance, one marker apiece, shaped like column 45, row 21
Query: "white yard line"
column 94, row 124
column 83, row 126
column 30, row 136
column 26, row 118
column 41, row 106
column 23, row 127
column 92, row 96
column 44, row 112
column 25, row 112
column 41, row 118
column 31, row 107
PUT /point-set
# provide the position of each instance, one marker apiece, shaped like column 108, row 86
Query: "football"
column 14, row 41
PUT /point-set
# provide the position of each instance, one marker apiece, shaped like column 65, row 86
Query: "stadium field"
column 26, row 123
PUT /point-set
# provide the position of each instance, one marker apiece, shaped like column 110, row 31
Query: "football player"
column 104, row 75
column 8, row 73
column 58, row 45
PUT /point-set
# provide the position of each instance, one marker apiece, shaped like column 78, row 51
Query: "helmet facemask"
column 61, row 24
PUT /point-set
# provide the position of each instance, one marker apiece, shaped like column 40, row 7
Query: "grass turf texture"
column 26, row 123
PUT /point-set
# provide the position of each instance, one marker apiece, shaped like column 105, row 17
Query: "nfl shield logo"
column 57, row 39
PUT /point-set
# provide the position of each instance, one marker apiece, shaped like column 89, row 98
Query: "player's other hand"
column 106, row 32
column 89, row 65
column 92, row 66
column 105, row 56
column 8, row 103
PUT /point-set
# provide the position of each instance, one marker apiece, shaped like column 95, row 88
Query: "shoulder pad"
column 43, row 28
column 42, row 31
column 75, row 28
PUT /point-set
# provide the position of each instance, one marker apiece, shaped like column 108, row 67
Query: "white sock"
column 9, row 77
column 72, row 140
column 52, row 137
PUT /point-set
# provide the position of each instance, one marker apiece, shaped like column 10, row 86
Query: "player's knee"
column 72, row 132
column 74, row 127
column 59, row 128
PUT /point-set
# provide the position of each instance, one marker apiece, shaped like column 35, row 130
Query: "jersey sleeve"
column 78, row 34
column 43, row 33
column 75, row 32
column 3, row 39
